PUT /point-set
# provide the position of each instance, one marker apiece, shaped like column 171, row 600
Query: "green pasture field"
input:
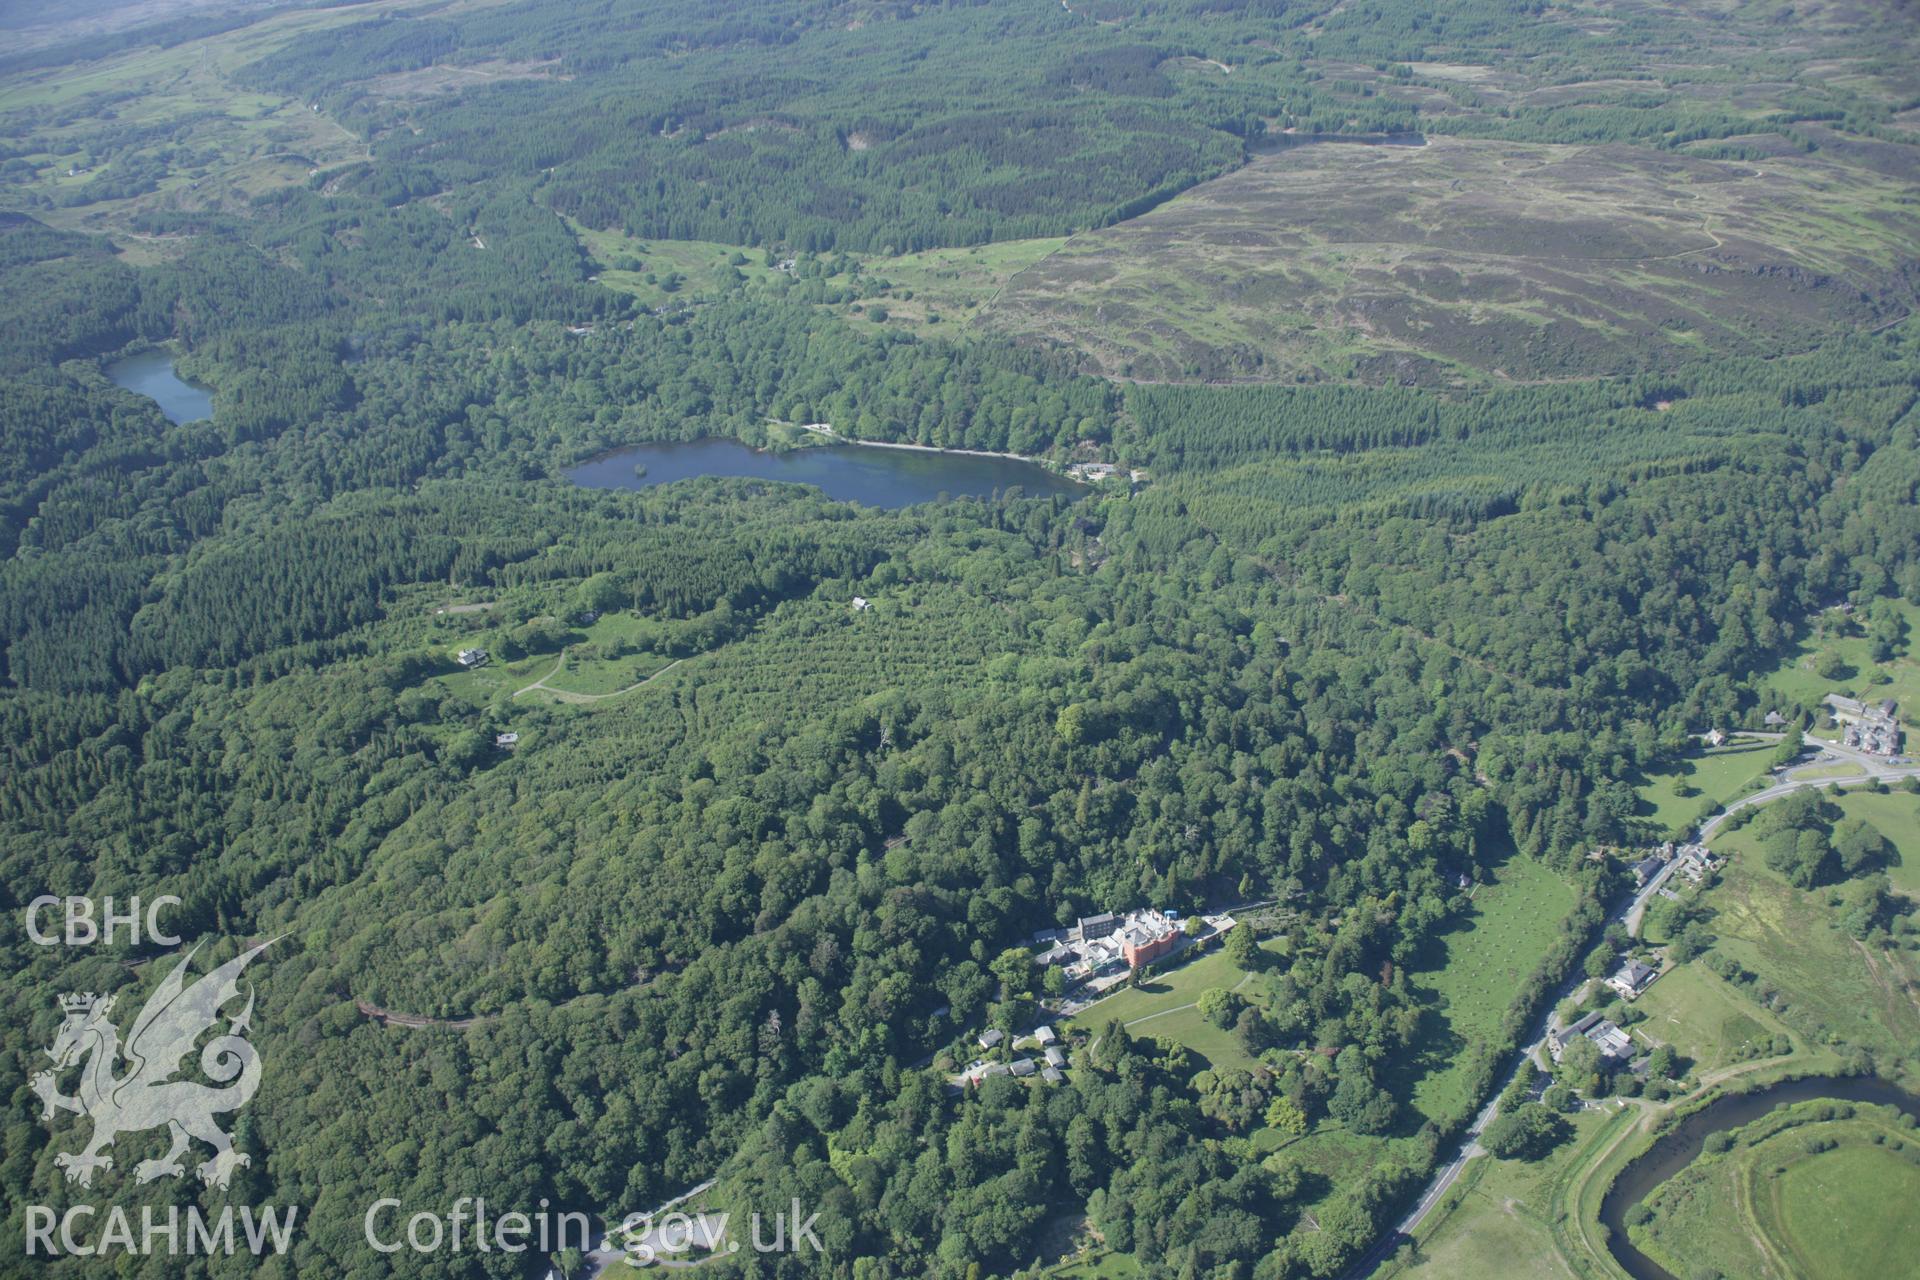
column 1470, row 975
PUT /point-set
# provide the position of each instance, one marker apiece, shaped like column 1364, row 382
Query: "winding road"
column 1872, row 769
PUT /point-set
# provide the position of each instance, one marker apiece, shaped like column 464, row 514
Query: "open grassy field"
column 1795, row 1201
column 1217, row 1046
column 1827, row 982
column 1469, row 259
column 1897, row 817
column 1103, row 1265
column 1163, row 1007
column 1498, row 1218
column 601, row 658
column 1162, row 994
column 1719, row 775
column 702, row 268
column 1468, row 979
column 1797, row 683
column 1850, row 1212
column 915, row 290
column 1709, row 1024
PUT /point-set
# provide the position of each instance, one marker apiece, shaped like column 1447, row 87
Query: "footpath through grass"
column 1815, row 1192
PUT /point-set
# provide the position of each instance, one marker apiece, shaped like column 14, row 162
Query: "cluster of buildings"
column 1615, row 1045
column 1049, row 1066
column 1095, row 472
column 1690, row 860
column 1872, row 727
column 1109, row 945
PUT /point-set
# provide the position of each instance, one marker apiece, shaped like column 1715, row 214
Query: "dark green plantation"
column 1350, row 644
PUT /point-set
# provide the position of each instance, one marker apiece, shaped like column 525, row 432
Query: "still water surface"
column 151, row 374
column 887, row 478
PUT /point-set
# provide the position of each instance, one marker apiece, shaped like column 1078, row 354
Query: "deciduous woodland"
column 1365, row 649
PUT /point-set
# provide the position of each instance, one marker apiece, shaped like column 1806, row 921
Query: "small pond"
column 151, row 374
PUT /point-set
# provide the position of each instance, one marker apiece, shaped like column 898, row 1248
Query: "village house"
column 1044, row 1035
column 861, row 604
column 1613, row 1043
column 471, row 657
column 1632, row 978
column 1715, row 738
column 1695, row 862
column 991, row 1037
column 1022, row 1067
column 505, row 739
column 1872, row 727
column 980, row 1071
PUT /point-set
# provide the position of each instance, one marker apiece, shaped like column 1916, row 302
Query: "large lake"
column 151, row 374
column 852, row 473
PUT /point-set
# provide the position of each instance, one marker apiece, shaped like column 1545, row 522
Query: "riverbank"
column 1680, row 1136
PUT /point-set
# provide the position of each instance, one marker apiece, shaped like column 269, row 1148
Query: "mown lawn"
column 1105, row 1265
column 1719, row 775
column 1162, row 1008
column 1162, row 993
column 1469, row 976
column 1897, row 817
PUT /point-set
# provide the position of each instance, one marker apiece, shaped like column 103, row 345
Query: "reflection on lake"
column 886, row 478
column 151, row 374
